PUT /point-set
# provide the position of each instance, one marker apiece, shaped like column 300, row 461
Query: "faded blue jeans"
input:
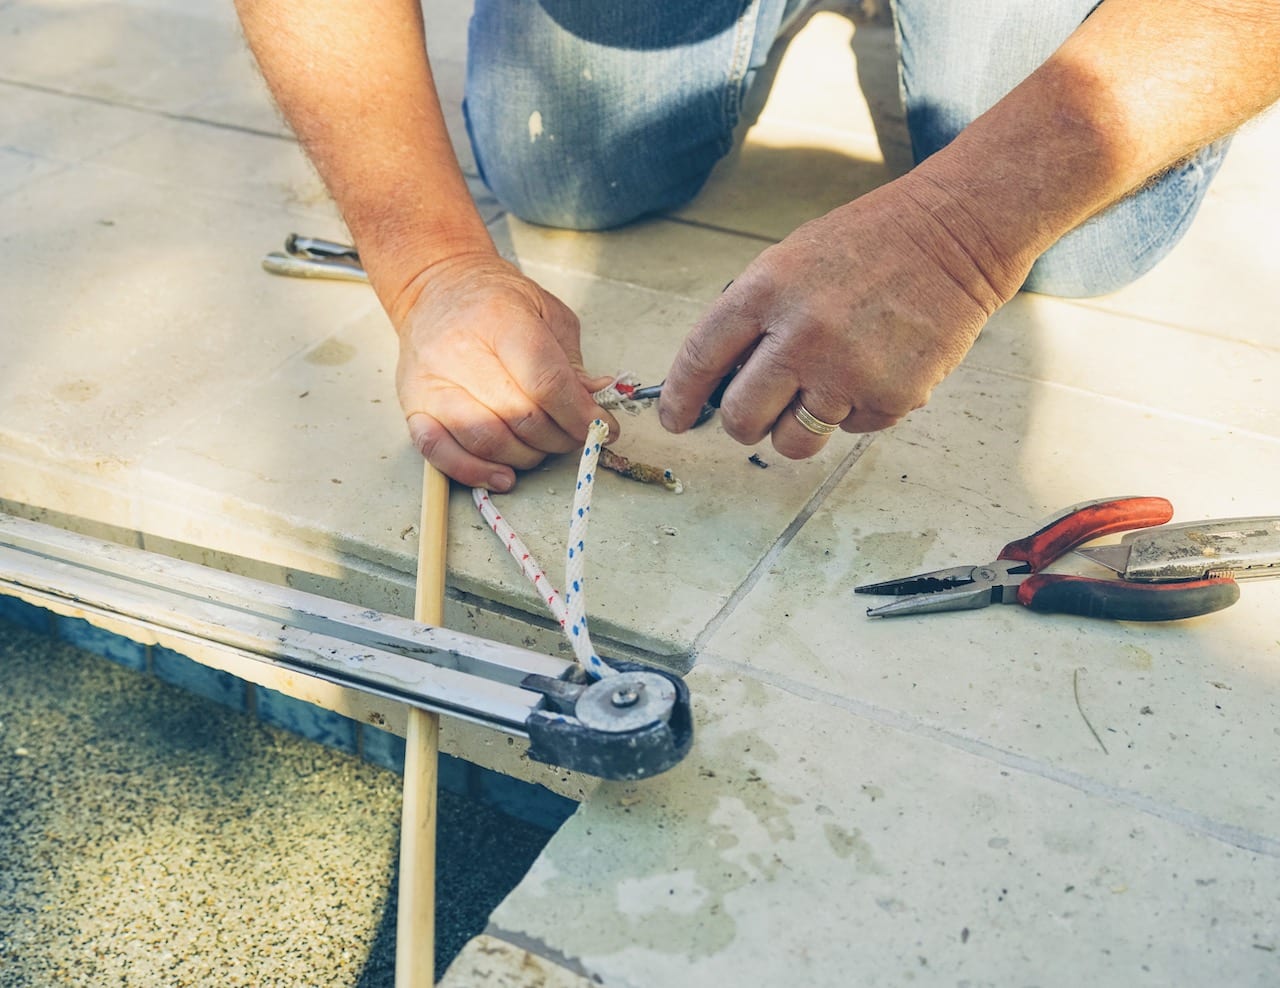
column 586, row 114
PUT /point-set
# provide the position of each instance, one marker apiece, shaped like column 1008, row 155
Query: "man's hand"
column 490, row 374
column 857, row 315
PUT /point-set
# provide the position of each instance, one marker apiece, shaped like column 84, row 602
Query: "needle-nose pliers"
column 1015, row 577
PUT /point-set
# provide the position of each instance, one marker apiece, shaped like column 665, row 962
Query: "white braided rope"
column 515, row 545
column 575, row 598
column 617, row 394
column 571, row 611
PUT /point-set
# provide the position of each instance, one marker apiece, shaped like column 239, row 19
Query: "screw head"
column 627, row 696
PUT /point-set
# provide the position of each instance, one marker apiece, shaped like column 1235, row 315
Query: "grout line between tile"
column 716, row 228
column 1096, row 306
column 152, row 111
column 1225, row 833
column 781, row 542
column 149, row 110
column 1169, row 413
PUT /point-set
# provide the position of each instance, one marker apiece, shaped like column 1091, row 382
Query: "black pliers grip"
column 1014, row 578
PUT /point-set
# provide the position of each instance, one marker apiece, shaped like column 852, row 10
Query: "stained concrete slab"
column 804, row 843
column 121, row 249
column 1183, row 712
column 491, row 961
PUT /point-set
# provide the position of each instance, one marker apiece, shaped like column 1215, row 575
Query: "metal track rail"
column 288, row 639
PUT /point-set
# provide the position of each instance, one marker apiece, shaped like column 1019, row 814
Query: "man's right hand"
column 490, row 374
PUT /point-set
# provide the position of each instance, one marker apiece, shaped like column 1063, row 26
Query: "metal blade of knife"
column 1243, row 548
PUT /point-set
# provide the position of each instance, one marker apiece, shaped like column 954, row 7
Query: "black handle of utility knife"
column 1121, row 601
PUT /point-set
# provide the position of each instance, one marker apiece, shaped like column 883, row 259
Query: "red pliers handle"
column 1014, row 578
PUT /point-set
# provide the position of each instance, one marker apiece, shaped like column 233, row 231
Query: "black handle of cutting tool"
column 1118, row 601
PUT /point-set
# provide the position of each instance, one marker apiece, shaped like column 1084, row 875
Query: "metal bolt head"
column 628, row 695
column 626, row 701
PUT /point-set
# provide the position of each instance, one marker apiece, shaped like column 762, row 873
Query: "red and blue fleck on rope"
column 571, row 610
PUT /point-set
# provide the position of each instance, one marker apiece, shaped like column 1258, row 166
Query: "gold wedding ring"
column 811, row 422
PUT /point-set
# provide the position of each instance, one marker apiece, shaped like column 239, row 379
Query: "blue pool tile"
column 386, row 750
column 525, row 801
column 307, row 720
column 212, row 684
column 28, row 616
column 117, row 648
column 455, row 774
column 382, row 748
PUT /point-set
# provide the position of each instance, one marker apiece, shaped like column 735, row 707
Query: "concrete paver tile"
column 173, row 58
column 189, row 156
column 137, row 340
column 819, row 170
column 1185, row 709
column 17, row 169
column 1205, row 377
column 688, row 261
column 801, row 844
column 494, row 962
column 209, row 10
column 241, row 98
column 71, row 523
column 268, row 554
column 839, row 77
column 319, row 446
column 64, row 129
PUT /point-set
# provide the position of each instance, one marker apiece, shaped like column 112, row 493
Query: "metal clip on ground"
column 311, row 257
column 631, row 725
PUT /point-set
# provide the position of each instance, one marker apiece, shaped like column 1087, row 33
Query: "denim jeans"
column 587, row 114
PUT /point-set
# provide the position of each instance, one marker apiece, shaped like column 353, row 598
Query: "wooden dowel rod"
column 416, row 909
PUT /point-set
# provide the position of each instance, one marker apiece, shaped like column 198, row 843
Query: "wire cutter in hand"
column 1015, row 577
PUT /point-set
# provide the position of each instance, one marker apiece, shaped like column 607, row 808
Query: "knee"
column 583, row 136
column 1094, row 259
column 545, row 176
column 567, row 165
column 1125, row 241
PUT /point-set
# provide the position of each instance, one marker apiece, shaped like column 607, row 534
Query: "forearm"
column 352, row 78
column 1136, row 88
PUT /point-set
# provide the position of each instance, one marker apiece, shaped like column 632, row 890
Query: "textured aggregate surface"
column 150, row 837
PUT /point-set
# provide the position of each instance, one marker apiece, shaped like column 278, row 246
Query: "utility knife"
column 1241, row 548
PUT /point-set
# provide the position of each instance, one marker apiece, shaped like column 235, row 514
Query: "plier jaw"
column 708, row 409
column 960, row 588
column 1015, row 576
